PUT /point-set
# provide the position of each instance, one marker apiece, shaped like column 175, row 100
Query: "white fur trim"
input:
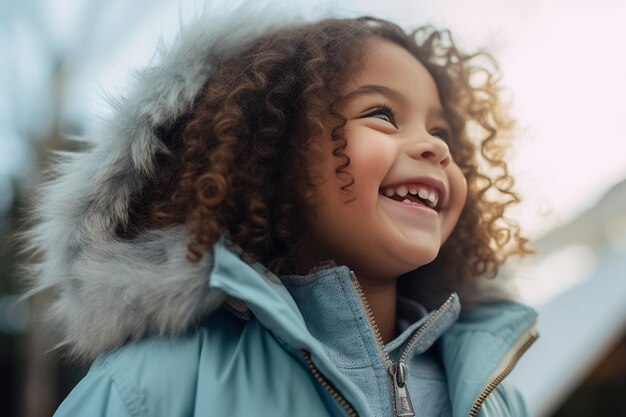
column 111, row 291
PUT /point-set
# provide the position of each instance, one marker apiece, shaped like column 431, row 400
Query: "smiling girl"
column 286, row 220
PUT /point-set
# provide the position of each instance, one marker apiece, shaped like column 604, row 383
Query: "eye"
column 383, row 112
column 442, row 133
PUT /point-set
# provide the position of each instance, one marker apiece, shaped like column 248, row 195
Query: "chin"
column 425, row 256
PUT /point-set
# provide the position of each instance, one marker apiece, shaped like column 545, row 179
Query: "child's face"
column 396, row 136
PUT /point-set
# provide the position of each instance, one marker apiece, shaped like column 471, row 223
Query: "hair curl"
column 238, row 160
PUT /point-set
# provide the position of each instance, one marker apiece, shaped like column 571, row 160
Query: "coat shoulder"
column 161, row 376
column 160, row 360
column 205, row 372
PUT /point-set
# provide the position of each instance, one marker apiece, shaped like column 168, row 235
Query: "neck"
column 382, row 299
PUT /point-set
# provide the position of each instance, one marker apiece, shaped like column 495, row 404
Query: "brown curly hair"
column 237, row 161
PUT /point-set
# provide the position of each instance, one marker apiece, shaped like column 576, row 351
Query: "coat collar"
column 271, row 304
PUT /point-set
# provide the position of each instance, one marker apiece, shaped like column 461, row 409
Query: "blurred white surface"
column 578, row 284
column 576, row 327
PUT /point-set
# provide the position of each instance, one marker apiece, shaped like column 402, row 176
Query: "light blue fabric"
column 334, row 315
column 475, row 346
column 229, row 366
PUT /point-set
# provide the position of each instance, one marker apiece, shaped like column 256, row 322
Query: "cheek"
column 370, row 159
column 460, row 183
column 458, row 196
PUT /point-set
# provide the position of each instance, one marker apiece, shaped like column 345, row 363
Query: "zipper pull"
column 404, row 406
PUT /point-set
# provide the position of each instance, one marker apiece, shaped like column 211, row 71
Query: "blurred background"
column 564, row 68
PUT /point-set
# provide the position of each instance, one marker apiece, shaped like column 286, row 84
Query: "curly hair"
column 237, row 161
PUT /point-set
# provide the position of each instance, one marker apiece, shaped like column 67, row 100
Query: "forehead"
column 389, row 65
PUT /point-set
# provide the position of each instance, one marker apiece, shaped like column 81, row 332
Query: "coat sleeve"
column 96, row 395
column 504, row 401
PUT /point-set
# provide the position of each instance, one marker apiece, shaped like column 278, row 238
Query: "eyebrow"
column 374, row 89
column 391, row 93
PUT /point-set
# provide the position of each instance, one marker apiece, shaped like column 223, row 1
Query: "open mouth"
column 414, row 194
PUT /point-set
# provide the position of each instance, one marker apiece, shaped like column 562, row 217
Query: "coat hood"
column 110, row 291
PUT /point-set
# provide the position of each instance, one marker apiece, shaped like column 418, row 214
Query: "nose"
column 431, row 148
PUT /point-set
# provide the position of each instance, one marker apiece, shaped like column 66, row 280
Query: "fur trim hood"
column 110, row 291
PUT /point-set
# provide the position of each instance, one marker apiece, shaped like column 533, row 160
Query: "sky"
column 562, row 64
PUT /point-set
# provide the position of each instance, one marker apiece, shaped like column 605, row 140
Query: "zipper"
column 511, row 359
column 325, row 383
column 401, row 400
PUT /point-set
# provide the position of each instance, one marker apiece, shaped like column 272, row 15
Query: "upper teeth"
column 421, row 191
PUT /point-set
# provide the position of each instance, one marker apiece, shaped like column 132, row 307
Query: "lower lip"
column 414, row 209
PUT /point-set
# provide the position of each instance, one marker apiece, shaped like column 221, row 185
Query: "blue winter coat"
column 264, row 362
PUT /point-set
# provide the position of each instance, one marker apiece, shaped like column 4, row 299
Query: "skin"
column 380, row 239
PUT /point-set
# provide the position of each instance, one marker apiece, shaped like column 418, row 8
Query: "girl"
column 285, row 221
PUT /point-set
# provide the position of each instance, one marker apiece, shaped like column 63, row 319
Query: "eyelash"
column 383, row 109
column 442, row 133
